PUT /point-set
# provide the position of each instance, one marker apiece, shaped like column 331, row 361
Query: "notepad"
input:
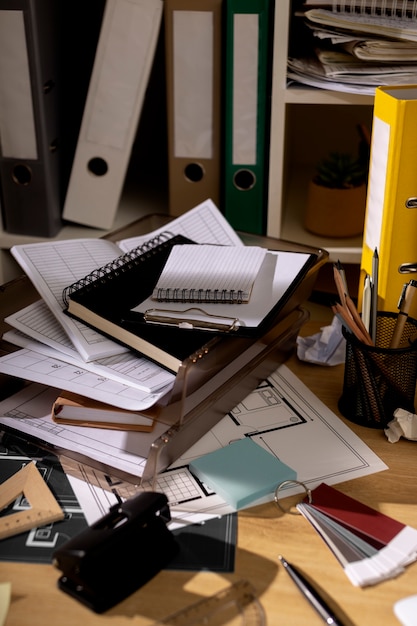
column 241, row 472
column 209, row 273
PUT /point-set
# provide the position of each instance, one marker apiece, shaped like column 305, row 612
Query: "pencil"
column 339, row 284
column 349, row 323
column 357, row 318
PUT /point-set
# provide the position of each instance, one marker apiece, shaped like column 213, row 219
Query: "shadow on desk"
column 149, row 603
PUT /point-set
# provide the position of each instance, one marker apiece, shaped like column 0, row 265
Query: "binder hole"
column 411, row 203
column 22, row 175
column 244, row 180
column 48, row 86
column 97, row 166
column 194, row 172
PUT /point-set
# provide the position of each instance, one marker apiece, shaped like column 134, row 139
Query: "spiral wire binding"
column 396, row 9
column 200, row 295
column 122, row 263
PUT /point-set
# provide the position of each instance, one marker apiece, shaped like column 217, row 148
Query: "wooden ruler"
column 44, row 508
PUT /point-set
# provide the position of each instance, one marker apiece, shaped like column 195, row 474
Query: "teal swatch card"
column 242, row 472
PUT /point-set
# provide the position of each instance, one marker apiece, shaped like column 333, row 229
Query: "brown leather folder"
column 193, row 82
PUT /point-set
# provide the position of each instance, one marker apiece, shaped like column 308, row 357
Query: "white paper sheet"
column 282, row 415
column 54, row 265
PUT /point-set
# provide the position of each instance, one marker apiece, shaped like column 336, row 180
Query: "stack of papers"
column 356, row 50
column 65, row 354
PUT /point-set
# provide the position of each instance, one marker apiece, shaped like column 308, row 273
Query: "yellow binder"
column 391, row 208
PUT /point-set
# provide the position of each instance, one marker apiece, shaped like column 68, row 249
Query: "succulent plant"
column 341, row 171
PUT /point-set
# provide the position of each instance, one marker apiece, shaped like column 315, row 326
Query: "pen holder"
column 378, row 380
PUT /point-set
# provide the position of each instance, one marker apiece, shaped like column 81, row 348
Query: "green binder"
column 247, row 113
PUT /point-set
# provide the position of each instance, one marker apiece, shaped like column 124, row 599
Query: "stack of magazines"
column 357, row 46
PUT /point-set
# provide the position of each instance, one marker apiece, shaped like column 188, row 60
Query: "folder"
column 121, row 71
column 391, row 207
column 29, row 123
column 193, row 40
column 46, row 58
column 247, row 103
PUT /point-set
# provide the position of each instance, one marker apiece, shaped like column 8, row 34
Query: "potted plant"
column 337, row 196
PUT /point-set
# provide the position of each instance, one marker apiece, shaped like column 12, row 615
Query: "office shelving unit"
column 306, row 123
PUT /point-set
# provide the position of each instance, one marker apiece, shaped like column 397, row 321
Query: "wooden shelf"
column 311, row 95
column 306, row 123
column 347, row 250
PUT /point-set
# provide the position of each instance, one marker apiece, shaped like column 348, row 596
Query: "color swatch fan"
column 369, row 545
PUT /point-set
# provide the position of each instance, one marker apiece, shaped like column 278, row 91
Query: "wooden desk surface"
column 263, row 533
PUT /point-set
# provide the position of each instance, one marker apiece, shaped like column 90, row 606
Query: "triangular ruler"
column 44, row 508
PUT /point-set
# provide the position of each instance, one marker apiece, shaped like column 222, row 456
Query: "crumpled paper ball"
column 404, row 425
column 327, row 347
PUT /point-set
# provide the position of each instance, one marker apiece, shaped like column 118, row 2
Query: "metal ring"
column 291, row 482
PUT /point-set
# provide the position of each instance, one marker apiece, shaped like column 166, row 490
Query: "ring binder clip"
column 95, row 563
column 190, row 318
column 287, row 483
column 407, row 268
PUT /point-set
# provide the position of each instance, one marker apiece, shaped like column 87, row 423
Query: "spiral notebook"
column 207, row 273
column 394, row 20
column 400, row 8
column 115, row 300
column 104, row 297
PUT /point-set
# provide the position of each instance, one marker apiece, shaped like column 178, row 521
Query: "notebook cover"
column 90, row 411
column 112, row 292
column 375, row 527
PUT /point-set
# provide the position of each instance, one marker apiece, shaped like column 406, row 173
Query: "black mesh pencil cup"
column 378, row 380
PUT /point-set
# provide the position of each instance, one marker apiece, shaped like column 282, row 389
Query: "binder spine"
column 121, row 263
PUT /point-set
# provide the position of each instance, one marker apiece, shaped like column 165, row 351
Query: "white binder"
column 118, row 84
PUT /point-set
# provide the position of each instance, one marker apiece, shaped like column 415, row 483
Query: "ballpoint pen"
column 404, row 304
column 311, row 594
column 374, row 294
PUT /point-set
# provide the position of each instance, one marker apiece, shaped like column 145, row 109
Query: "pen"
column 374, row 295
column 404, row 304
column 366, row 302
column 311, row 594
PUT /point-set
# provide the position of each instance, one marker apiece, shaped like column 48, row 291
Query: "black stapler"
column 119, row 553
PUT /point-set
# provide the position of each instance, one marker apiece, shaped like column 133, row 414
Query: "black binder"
column 43, row 79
